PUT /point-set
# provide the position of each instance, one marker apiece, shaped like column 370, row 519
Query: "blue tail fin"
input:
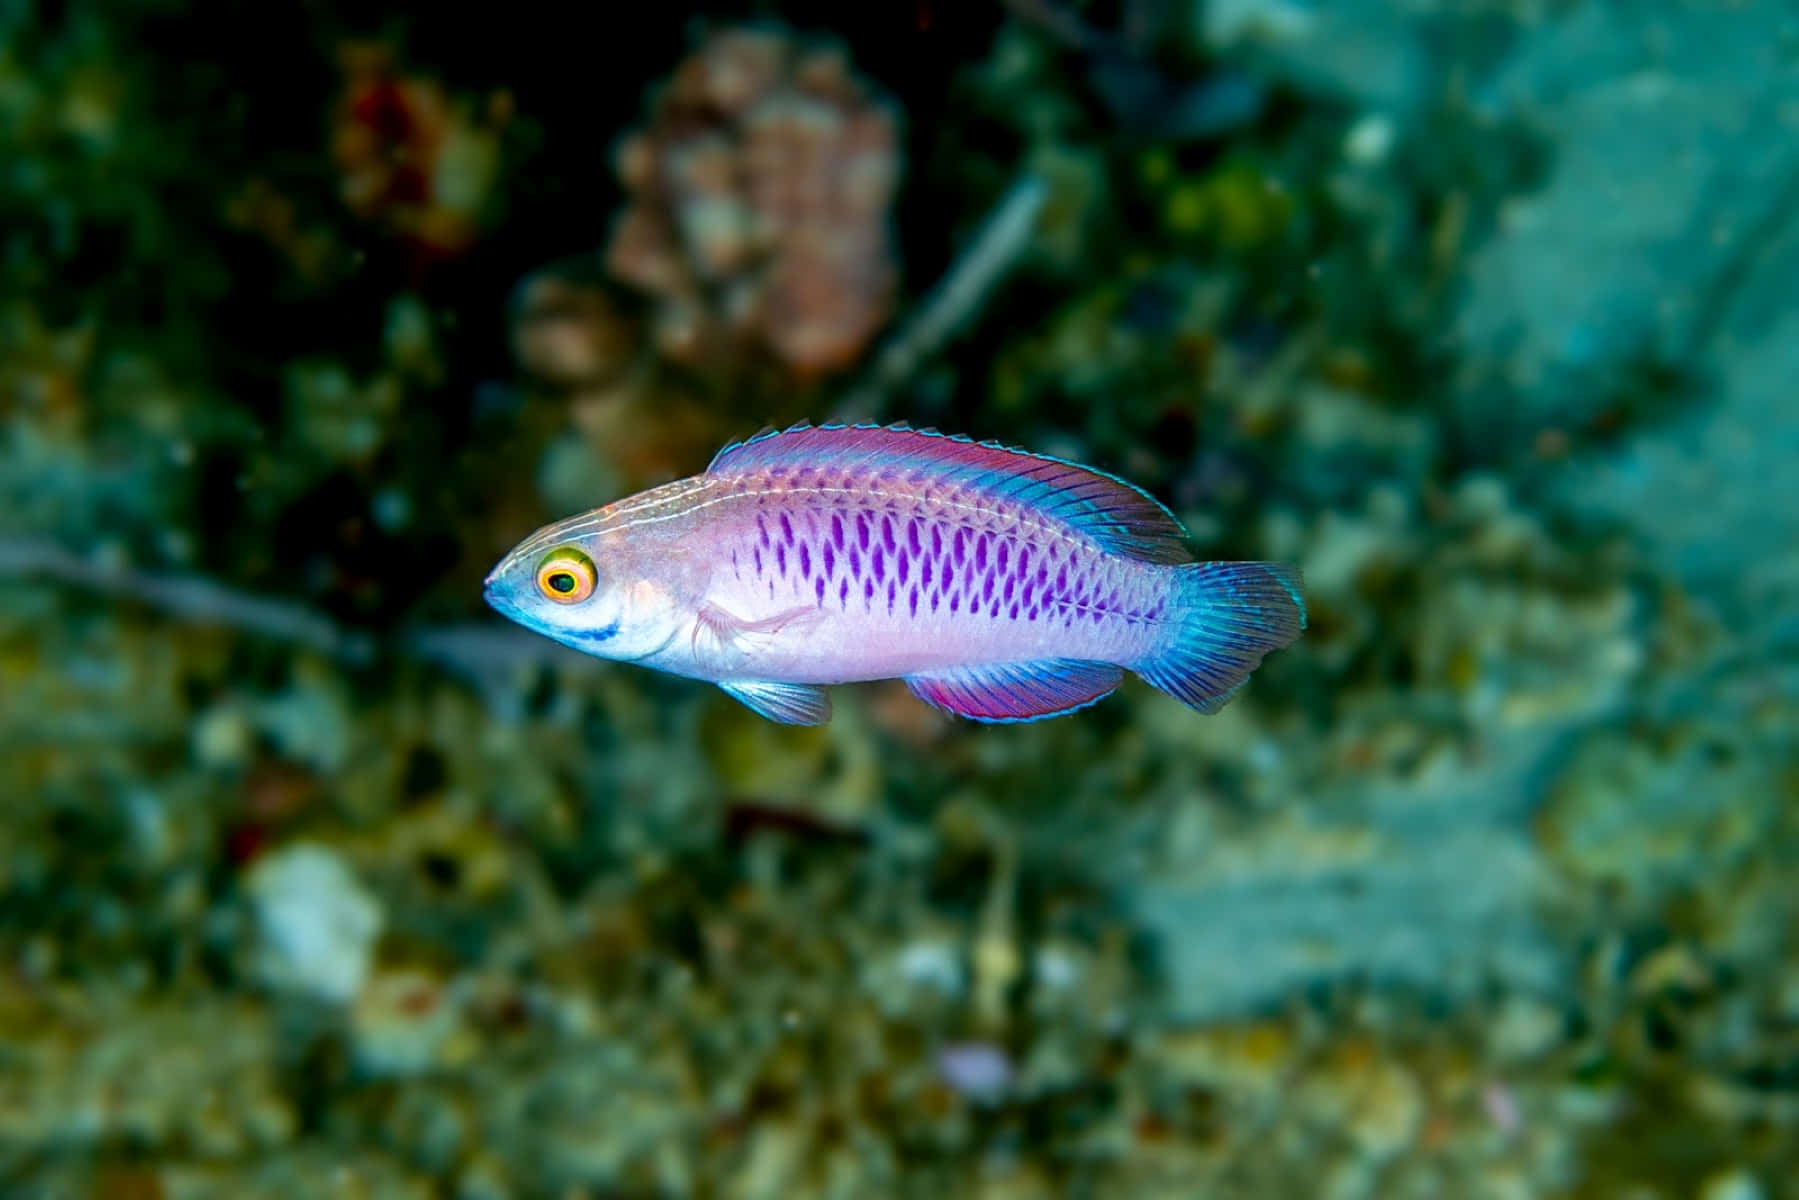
column 1231, row 615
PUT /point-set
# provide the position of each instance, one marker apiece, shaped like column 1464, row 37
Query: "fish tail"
column 1226, row 617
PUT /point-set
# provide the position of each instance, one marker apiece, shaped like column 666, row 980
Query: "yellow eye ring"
column 565, row 576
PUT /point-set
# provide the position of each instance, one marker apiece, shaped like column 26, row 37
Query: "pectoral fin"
column 788, row 703
column 733, row 632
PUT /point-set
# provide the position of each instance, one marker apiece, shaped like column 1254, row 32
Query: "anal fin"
column 1022, row 691
column 788, row 703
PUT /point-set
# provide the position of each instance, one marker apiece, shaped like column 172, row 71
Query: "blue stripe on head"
column 590, row 637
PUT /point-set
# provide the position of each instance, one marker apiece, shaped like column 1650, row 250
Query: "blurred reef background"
column 316, row 879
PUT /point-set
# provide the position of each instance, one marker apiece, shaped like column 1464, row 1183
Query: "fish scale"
column 960, row 569
column 1000, row 585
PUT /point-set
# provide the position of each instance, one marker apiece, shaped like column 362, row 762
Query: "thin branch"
column 186, row 597
column 473, row 650
column 1064, row 26
column 1002, row 237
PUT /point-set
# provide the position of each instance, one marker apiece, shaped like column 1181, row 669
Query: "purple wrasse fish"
column 1000, row 585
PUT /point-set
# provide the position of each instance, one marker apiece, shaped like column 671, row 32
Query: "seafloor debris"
column 318, row 923
column 411, row 158
column 759, row 204
column 576, row 336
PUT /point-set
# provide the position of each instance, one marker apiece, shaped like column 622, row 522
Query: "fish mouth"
column 496, row 597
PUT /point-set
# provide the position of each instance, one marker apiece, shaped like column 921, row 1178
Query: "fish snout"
column 497, row 595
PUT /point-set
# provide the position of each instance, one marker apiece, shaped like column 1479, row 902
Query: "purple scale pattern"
column 923, row 565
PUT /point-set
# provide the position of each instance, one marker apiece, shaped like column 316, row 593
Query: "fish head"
column 589, row 591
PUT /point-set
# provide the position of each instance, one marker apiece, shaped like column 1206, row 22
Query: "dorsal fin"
column 1118, row 516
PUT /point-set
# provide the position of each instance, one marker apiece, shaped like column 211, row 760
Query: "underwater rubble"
column 313, row 881
column 759, row 204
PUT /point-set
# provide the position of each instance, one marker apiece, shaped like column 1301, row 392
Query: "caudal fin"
column 1229, row 616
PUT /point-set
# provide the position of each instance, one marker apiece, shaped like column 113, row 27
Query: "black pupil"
column 562, row 583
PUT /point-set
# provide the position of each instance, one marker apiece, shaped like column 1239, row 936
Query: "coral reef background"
column 317, row 880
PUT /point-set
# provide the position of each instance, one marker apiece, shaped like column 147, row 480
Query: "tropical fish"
column 1000, row 585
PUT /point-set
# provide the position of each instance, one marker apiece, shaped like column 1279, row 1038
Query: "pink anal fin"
column 1024, row 691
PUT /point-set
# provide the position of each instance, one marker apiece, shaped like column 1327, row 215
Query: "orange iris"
column 566, row 576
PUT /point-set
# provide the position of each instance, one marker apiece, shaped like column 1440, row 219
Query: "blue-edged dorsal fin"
column 1116, row 515
column 788, row 703
column 1011, row 692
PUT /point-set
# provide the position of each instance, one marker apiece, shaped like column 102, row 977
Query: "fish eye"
column 566, row 576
